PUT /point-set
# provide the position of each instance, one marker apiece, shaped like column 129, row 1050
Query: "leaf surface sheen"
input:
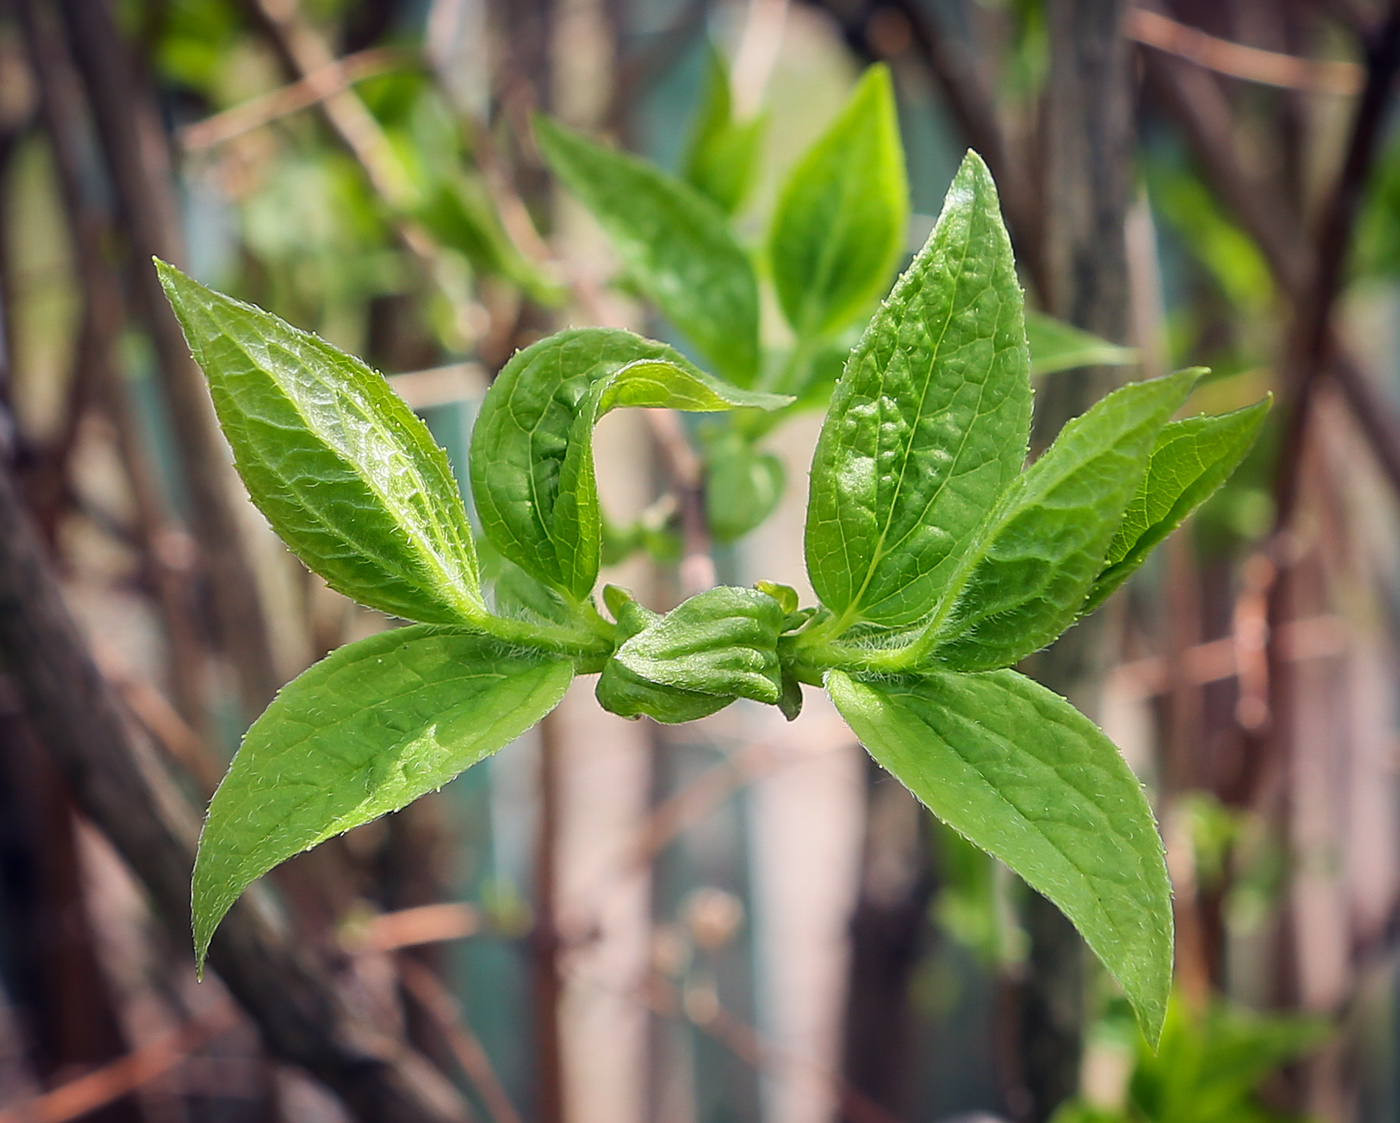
column 365, row 731
column 674, row 242
column 532, row 447
column 1041, row 548
column 346, row 474
column 1021, row 773
column 1190, row 461
column 840, row 223
column 928, row 424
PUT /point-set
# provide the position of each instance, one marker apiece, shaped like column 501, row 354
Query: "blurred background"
column 738, row 919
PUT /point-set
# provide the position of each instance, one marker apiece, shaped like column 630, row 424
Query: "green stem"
column 589, row 650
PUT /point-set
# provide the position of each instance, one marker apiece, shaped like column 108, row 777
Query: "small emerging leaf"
column 349, row 478
column 1026, row 576
column 1020, row 772
column 722, row 155
column 928, row 424
column 723, row 641
column 1056, row 346
column 840, row 224
column 532, row 446
column 742, row 485
column 674, row 242
column 1192, row 458
column 366, row 731
column 628, row 694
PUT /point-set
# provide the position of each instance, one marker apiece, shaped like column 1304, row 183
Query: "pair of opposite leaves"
column 935, row 557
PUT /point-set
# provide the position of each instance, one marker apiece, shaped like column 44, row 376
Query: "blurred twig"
column 257, row 112
column 700, row 1006
column 134, row 147
column 1250, row 64
column 105, row 1085
column 101, row 327
column 304, row 1019
column 446, row 1011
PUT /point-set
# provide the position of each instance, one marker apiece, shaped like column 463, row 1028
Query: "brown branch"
column 411, row 927
column 102, row 316
column 1202, row 111
column 1250, row 64
column 311, row 61
column 258, row 112
column 1196, row 101
column 684, row 467
column 109, row 1083
column 701, row 1007
column 445, row 1010
column 122, row 789
column 134, row 148
column 1311, row 348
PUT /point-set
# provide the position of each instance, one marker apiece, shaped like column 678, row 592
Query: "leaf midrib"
column 445, row 581
column 854, row 612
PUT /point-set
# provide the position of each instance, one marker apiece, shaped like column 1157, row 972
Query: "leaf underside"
column 1022, row 774
column 1190, row 461
column 366, row 731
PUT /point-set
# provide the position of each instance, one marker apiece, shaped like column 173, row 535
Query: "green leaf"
column 628, row 694
column 346, row 474
column 532, row 447
column 742, row 485
column 840, row 224
column 1024, row 579
column 460, row 213
column 364, row 732
column 928, row 424
column 722, row 641
column 1056, row 346
column 1191, row 459
column 721, row 157
column 1021, row 773
column 674, row 243
column 1210, row 1062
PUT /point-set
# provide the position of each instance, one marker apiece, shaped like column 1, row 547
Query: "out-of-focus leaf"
column 722, row 154
column 1056, row 346
column 840, row 224
column 674, row 242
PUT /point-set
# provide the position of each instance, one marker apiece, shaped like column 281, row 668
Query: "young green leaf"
column 1020, row 772
column 722, row 641
column 628, row 694
column 460, row 213
column 1057, row 346
column 1024, row 579
column 928, row 424
column 840, row 224
column 532, row 447
column 364, row 732
column 722, row 154
column 674, row 242
column 742, row 485
column 346, row 474
column 1191, row 459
